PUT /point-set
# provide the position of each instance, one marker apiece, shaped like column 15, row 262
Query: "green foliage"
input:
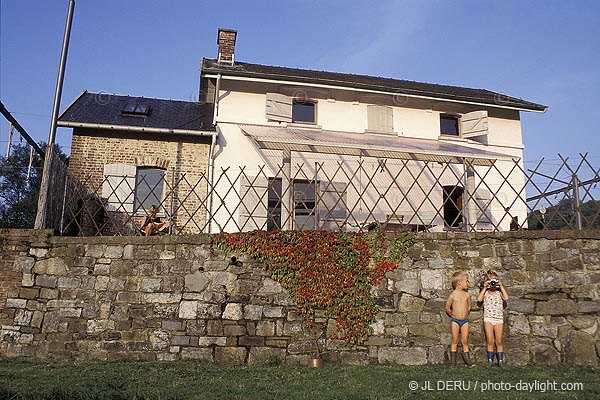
column 562, row 216
column 19, row 195
column 332, row 271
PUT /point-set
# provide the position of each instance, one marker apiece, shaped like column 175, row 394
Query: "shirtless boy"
column 458, row 307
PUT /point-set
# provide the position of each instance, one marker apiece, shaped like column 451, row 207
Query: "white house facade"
column 360, row 149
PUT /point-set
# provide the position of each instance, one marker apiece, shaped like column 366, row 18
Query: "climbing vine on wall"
column 333, row 271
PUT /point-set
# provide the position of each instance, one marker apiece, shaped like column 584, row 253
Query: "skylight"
column 136, row 109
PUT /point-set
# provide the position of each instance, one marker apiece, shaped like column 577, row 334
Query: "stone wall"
column 177, row 297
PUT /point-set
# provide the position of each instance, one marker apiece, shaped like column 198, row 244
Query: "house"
column 270, row 147
column 354, row 149
column 126, row 152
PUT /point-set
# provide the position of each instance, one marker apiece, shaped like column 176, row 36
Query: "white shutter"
column 380, row 118
column 279, row 107
column 483, row 198
column 474, row 124
column 118, row 187
column 253, row 205
column 332, row 205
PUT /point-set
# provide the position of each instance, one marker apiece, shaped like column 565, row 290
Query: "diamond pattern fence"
column 398, row 195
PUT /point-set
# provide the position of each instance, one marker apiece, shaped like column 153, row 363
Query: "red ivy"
column 324, row 270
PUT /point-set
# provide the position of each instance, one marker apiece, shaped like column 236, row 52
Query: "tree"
column 19, row 194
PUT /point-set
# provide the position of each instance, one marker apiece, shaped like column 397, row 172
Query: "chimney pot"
column 226, row 42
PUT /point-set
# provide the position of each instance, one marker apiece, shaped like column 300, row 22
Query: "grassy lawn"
column 66, row 379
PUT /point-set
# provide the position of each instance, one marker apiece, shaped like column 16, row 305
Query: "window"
column 136, row 109
column 453, row 206
column 380, row 119
column 304, row 213
column 449, row 125
column 303, row 111
column 283, row 108
column 149, row 183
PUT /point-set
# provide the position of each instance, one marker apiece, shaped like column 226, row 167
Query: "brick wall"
column 92, row 149
column 176, row 297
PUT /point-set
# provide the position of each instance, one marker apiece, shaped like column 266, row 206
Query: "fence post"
column 576, row 203
column 286, row 191
column 172, row 200
column 64, row 202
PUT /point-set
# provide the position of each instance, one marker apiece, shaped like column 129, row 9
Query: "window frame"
column 304, row 101
column 458, row 130
column 138, row 205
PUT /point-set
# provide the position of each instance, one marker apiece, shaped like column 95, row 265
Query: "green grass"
column 67, row 379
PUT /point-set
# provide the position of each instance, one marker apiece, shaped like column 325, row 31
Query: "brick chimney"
column 226, row 42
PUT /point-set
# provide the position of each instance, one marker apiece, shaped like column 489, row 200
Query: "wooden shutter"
column 380, row 119
column 474, row 124
column 253, row 204
column 332, row 205
column 279, row 107
column 118, row 187
column 483, row 198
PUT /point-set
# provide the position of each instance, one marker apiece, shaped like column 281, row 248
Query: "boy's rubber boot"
column 453, row 358
column 467, row 358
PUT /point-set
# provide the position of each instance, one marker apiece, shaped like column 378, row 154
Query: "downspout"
column 211, row 161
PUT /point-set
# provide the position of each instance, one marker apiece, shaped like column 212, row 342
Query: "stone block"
column 112, row 251
column 269, row 286
column 116, row 284
column 251, row 341
column 556, row 307
column 518, row 324
column 411, row 303
column 253, row 312
column 197, row 353
column 16, row 303
column 544, row 330
column 402, row 355
column 234, row 330
column 160, row 339
column 23, row 264
column 69, row 282
column 196, row 282
column 525, row 306
column 426, row 330
column 265, row 328
column 150, row 285
column 579, row 348
column 188, row 309
column 410, row 286
column 233, row 311
column 264, row 355
column 195, row 327
column 273, row 312
column 46, row 281
column 437, row 355
column 582, row 321
column 161, row 298
column 230, row 355
column 180, row 340
column 204, row 341
column 22, row 317
column 589, row 306
column 432, row 279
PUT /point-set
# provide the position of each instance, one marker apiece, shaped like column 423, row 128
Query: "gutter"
column 67, row 124
column 400, row 92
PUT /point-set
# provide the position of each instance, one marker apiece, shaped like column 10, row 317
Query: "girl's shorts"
column 494, row 321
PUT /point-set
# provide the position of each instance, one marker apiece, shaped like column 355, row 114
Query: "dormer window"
column 136, row 109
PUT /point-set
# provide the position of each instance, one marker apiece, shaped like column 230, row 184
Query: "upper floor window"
column 380, row 119
column 303, row 111
column 449, row 125
column 284, row 108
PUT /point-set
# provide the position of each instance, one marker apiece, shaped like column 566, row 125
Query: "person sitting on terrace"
column 151, row 224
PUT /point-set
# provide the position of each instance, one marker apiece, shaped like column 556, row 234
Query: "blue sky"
column 542, row 51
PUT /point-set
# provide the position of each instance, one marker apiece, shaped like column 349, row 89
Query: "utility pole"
column 42, row 210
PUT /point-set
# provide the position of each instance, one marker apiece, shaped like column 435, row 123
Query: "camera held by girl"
column 493, row 297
